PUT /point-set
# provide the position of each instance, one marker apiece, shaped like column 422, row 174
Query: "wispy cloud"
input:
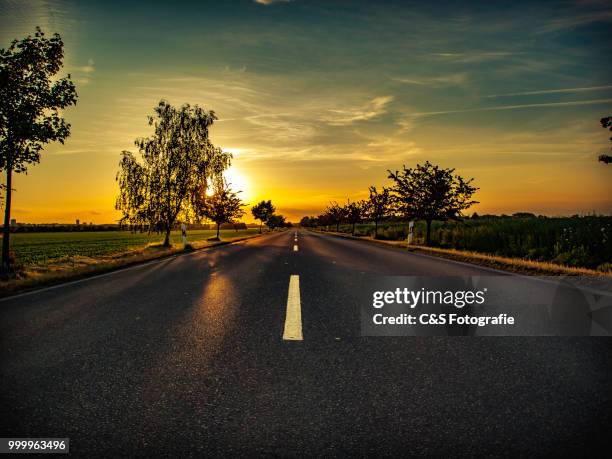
column 270, row 2
column 515, row 107
column 373, row 109
column 453, row 79
column 83, row 73
column 577, row 20
column 474, row 57
column 551, row 91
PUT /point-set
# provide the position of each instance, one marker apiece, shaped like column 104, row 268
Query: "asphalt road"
column 186, row 357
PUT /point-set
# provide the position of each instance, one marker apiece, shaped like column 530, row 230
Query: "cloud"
column 89, row 68
column 474, row 57
column 551, row 91
column 454, row 79
column 576, row 20
column 83, row 74
column 515, row 107
column 270, row 2
column 373, row 109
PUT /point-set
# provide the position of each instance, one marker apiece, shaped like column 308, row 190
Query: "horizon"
column 317, row 100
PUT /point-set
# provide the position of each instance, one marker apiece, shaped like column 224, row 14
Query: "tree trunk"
column 260, row 227
column 218, row 226
column 375, row 229
column 6, row 232
column 428, row 235
column 337, row 227
column 167, row 238
column 353, row 233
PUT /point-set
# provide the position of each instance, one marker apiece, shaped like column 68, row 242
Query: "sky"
column 318, row 99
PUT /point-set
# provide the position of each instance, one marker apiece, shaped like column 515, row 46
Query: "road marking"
column 295, row 248
column 293, row 319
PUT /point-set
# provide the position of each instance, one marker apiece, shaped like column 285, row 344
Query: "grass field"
column 43, row 248
column 584, row 242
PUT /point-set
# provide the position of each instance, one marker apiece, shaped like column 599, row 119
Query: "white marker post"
column 410, row 231
column 184, row 233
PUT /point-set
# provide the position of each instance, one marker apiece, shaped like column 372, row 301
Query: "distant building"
column 78, row 222
column 13, row 222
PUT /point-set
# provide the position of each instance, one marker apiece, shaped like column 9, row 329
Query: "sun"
column 238, row 181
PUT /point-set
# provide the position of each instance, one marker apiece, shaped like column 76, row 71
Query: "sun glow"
column 238, row 182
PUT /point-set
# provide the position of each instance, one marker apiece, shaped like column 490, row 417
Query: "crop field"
column 42, row 248
column 572, row 241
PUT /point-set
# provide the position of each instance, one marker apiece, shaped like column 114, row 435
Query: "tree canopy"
column 262, row 211
column 428, row 192
column 378, row 207
column 31, row 100
column 173, row 169
column 606, row 123
column 223, row 206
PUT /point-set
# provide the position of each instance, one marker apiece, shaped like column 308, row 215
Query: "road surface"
column 186, row 357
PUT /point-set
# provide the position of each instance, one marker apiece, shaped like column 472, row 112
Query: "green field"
column 572, row 241
column 42, row 248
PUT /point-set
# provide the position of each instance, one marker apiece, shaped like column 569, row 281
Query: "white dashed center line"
column 293, row 319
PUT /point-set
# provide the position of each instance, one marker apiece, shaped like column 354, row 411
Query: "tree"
column 262, row 212
column 354, row 212
column 309, row 222
column 276, row 221
column 173, row 170
column 31, row 98
column 336, row 214
column 378, row 206
column 606, row 123
column 224, row 206
column 429, row 193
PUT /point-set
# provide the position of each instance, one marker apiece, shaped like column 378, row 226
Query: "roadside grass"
column 516, row 265
column 578, row 241
column 52, row 258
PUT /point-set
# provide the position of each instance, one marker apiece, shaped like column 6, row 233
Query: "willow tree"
column 172, row 168
column 428, row 192
column 31, row 97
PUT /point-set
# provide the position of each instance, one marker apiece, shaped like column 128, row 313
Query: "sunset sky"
column 318, row 99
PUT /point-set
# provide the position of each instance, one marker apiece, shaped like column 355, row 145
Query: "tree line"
column 425, row 192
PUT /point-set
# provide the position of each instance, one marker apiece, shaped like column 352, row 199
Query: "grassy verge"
column 77, row 267
column 516, row 265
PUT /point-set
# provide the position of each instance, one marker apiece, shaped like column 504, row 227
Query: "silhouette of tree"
column 354, row 212
column 606, row 123
column 262, row 212
column 378, row 207
column 308, row 222
column 429, row 193
column 336, row 214
column 224, row 206
column 173, row 170
column 275, row 221
column 30, row 102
